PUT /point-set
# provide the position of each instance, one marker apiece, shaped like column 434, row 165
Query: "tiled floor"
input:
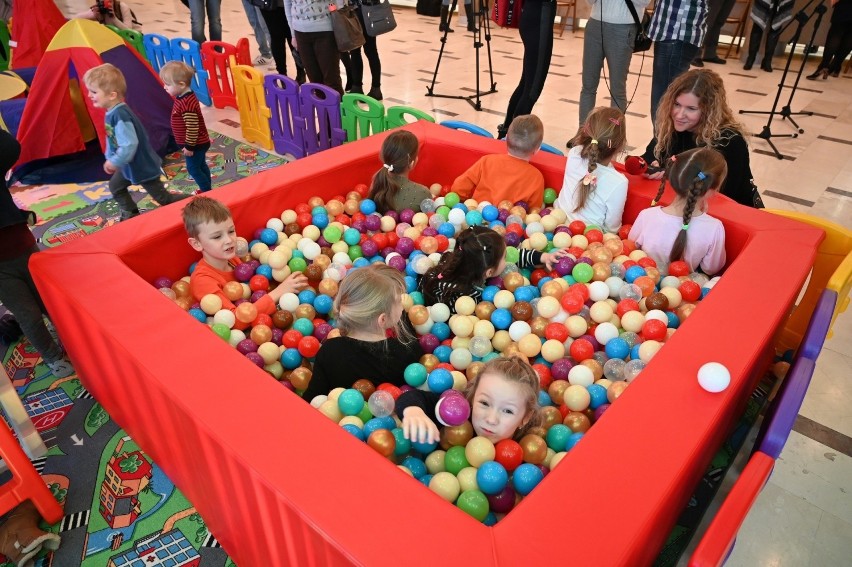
column 804, row 515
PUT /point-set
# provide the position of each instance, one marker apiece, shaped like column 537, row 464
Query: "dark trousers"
column 354, row 64
column 196, row 166
column 536, row 29
column 279, row 36
column 20, row 296
column 320, row 58
column 838, row 45
column 118, row 186
column 719, row 10
column 671, row 58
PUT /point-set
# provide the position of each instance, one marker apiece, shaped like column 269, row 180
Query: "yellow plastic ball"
column 529, row 346
column 648, row 349
column 211, row 303
column 351, row 420
column 484, row 329
column 465, row 305
column 580, row 241
column 330, row 409
column 576, row 326
column 479, row 450
column 461, row 326
column 632, row 321
column 674, row 296
column 576, row 397
column 600, row 312
column 556, row 459
column 268, row 352
column 276, row 369
column 435, row 462
column 445, row 485
column 548, row 307
column 501, row 340
column 552, row 350
column 538, row 241
column 467, row 479
column 562, row 240
column 504, row 299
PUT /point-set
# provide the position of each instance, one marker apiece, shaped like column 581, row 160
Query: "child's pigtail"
column 589, row 181
column 697, row 189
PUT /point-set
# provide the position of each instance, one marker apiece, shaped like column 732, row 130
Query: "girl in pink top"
column 683, row 230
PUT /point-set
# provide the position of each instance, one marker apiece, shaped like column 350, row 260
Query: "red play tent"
column 36, row 22
column 56, row 115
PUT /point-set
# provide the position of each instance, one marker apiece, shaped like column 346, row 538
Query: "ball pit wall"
column 279, row 484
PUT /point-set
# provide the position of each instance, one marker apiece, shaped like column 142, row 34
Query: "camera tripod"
column 483, row 30
column 801, row 18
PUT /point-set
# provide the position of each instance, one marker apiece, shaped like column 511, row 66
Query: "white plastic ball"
column 439, row 312
column 598, row 291
column 581, row 376
column 714, row 377
column 519, row 329
column 461, row 358
column 605, row 332
column 275, row 224
column 456, row 216
column 236, row 337
column 657, row 314
column 289, row 302
column 225, row 317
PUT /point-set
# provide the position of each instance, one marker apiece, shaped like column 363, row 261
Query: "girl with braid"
column 683, row 230
column 479, row 254
column 592, row 190
column 391, row 188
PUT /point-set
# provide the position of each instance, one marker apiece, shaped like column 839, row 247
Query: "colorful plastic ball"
column 557, row 437
column 473, row 503
column 632, row 369
column 351, row 402
column 526, row 477
column 581, row 375
column 576, row 398
column 453, row 410
column 402, row 446
column 382, row 441
column 573, row 440
column 597, row 394
column 714, row 377
column 438, row 380
column 367, row 206
column 415, row 374
column 291, row 358
column 198, row 314
column 614, row 369
column 222, row 331
column 424, row 448
column 617, row 348
column 491, row 477
column 416, row 466
column 509, row 454
column 455, row 459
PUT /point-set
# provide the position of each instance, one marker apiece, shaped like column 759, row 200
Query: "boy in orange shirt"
column 508, row 177
column 211, row 231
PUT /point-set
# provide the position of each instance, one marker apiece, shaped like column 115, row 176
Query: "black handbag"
column 378, row 17
column 347, row 28
column 642, row 41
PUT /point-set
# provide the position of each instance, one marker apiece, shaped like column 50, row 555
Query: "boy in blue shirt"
column 129, row 156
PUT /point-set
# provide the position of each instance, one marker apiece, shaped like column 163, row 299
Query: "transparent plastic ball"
column 630, row 291
column 632, row 369
column 614, row 369
column 381, row 403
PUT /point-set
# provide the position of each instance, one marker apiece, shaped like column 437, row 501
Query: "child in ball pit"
column 695, row 175
column 368, row 305
column 592, row 190
column 503, row 399
column 211, row 231
column 479, row 254
column 391, row 188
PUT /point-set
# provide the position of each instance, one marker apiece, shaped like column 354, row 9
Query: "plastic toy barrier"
column 279, row 484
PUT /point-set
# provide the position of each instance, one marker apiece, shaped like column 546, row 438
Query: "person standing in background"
column 354, row 64
column 610, row 33
column 677, row 28
column 197, row 10
column 536, row 29
column 719, row 10
column 261, row 34
column 281, row 38
column 838, row 42
column 314, row 39
column 769, row 15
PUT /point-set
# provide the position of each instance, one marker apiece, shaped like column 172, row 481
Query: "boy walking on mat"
column 130, row 159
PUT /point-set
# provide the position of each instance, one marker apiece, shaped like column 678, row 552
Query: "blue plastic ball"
column 415, row 465
column 307, row 296
column 320, row 221
column 351, row 236
column 192, row 267
column 443, row 353
column 355, row 430
column 425, row 479
column 368, row 206
column 417, row 298
column 473, row 218
column 298, row 254
column 525, row 293
column 490, row 519
column 403, row 445
column 199, row 314
column 490, row 212
column 319, row 210
column 501, row 318
column 634, row 272
column 269, row 236
column 573, row 440
column 291, row 358
column 323, row 304
column 617, row 348
column 410, row 283
column 526, row 477
column 543, row 281
column 491, row 477
column 440, row 380
column 634, row 352
column 490, row 356
column 304, row 326
column 424, row 448
column 448, row 229
column 489, row 292
column 544, row 399
column 674, row 322
column 441, row 330
column 597, row 393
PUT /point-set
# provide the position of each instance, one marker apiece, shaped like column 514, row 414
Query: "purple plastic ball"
column 395, row 216
column 512, row 239
column 288, row 385
column 496, row 280
column 585, row 260
column 561, row 228
column 544, row 470
column 406, row 215
column 359, row 225
column 239, row 301
column 592, row 340
column 277, row 335
column 321, row 331
column 454, row 410
column 256, row 234
column 369, row 248
column 162, row 281
column 429, row 343
column 405, row 388
column 397, row 263
column 503, row 501
column 599, row 411
column 243, row 272
column 560, row 369
column 545, row 211
column 255, row 264
column 257, row 295
column 197, row 305
column 405, row 246
column 502, row 215
column 373, row 222
column 246, row 346
column 523, row 204
column 256, row 358
column 387, row 250
column 323, row 242
column 564, row 266
column 429, row 231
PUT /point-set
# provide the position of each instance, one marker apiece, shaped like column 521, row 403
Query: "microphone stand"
column 801, row 18
column 484, row 27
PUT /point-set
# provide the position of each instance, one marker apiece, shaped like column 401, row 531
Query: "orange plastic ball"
column 615, row 391
column 535, row 449
column 233, row 290
column 305, row 311
column 328, row 287
column 300, row 377
column 184, row 303
column 245, row 312
column 601, row 272
column 260, row 334
column 382, row 441
column 365, row 387
column 430, row 361
column 484, row 309
column 557, row 390
column 538, row 325
column 473, row 370
column 550, row 416
column 313, row 272
column 457, row 436
column 181, row 288
column 646, row 284
column 522, row 311
column 578, row 422
column 552, row 289
column 512, row 281
column 418, row 314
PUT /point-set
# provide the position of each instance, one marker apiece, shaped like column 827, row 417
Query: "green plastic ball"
column 583, row 273
column 332, row 234
column 297, row 264
column 512, row 255
column 355, row 253
column 222, row 331
column 415, row 374
column 550, row 195
column 365, row 414
column 443, row 212
column 473, row 503
column 403, row 445
column 452, row 199
column 456, row 460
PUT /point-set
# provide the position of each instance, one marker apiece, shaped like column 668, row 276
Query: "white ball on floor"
column 714, row 377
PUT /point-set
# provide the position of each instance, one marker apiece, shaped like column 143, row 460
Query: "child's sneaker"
column 260, row 61
column 61, row 368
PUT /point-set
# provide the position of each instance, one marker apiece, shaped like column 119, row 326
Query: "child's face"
column 101, row 98
column 216, row 241
column 499, row 408
column 174, row 89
